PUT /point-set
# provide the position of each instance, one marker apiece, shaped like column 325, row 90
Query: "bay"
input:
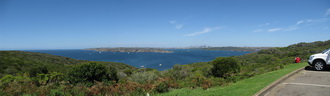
column 160, row 61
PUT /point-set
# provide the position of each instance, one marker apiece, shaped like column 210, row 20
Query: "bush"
column 55, row 92
column 225, row 67
column 144, row 77
column 33, row 72
column 180, row 72
column 162, row 87
column 197, row 80
column 87, row 73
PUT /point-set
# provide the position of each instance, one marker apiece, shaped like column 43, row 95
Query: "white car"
column 320, row 61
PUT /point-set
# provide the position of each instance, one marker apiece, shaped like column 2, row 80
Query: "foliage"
column 27, row 73
column 7, row 79
column 181, row 72
column 144, row 77
column 225, row 67
column 34, row 71
column 13, row 62
column 18, row 62
column 162, row 87
column 87, row 73
column 52, row 77
column 246, row 87
column 55, row 92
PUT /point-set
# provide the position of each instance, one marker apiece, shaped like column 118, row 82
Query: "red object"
column 297, row 59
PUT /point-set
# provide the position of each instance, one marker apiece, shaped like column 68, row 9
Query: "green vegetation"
column 225, row 67
column 245, row 87
column 87, row 73
column 27, row 73
column 17, row 62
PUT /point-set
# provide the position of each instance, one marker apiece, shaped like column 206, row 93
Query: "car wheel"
column 319, row 65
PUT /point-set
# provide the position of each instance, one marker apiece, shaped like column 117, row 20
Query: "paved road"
column 304, row 83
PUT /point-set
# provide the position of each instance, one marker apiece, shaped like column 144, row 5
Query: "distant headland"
column 229, row 48
column 127, row 49
column 251, row 49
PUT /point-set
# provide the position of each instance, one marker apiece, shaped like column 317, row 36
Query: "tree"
column 89, row 72
column 33, row 72
column 225, row 67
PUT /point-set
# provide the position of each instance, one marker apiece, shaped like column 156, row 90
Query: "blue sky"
column 76, row 24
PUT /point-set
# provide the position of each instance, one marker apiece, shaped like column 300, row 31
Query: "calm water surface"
column 148, row 60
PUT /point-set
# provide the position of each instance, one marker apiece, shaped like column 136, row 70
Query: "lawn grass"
column 245, row 87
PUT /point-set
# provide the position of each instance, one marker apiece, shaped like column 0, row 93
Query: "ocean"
column 160, row 61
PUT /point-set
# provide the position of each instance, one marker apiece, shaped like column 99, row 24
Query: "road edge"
column 265, row 90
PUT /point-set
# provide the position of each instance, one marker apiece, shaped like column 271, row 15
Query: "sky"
column 78, row 24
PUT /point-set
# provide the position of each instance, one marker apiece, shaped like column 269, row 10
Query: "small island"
column 125, row 49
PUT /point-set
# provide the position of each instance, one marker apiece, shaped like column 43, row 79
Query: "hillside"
column 270, row 59
column 13, row 62
column 253, row 65
column 138, row 82
column 230, row 48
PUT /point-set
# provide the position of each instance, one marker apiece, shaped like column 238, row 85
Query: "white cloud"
column 261, row 25
column 172, row 22
column 205, row 30
column 274, row 29
column 291, row 28
column 309, row 21
column 177, row 26
column 300, row 22
column 317, row 20
column 327, row 13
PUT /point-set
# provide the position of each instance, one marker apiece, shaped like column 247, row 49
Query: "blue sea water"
column 148, row 60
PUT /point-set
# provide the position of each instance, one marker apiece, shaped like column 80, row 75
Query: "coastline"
column 121, row 49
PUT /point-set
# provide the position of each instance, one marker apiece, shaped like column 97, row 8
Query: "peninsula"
column 127, row 49
column 230, row 48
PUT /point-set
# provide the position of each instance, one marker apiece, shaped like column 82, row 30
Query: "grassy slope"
column 245, row 87
column 13, row 62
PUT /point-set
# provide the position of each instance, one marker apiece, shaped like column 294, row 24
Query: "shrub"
column 162, row 87
column 33, row 72
column 196, row 80
column 180, row 72
column 56, row 92
column 52, row 77
column 144, row 77
column 87, row 73
column 21, row 85
column 225, row 67
column 6, row 79
column 121, row 75
column 10, row 78
column 128, row 71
